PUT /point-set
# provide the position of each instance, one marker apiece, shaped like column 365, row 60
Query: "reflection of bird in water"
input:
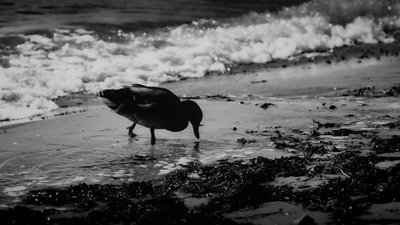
column 153, row 107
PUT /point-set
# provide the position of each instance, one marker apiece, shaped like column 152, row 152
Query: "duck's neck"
column 182, row 121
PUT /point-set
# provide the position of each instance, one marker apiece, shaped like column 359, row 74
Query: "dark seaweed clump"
column 371, row 91
column 229, row 186
column 227, row 98
column 366, row 184
column 226, row 187
column 245, row 141
column 383, row 145
column 306, row 145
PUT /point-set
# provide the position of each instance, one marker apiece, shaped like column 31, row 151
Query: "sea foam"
column 43, row 68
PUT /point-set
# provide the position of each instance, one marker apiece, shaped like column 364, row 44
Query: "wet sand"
column 335, row 124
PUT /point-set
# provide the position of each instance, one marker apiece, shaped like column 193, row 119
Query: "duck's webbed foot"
column 130, row 133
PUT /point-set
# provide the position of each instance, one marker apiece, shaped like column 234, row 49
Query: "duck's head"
column 194, row 115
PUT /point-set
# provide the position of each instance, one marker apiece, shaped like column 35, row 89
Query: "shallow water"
column 121, row 162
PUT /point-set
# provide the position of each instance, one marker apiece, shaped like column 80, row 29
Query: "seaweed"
column 245, row 141
column 325, row 125
column 229, row 186
column 257, row 132
column 344, row 132
column 392, row 125
column 383, row 145
column 227, row 98
column 373, row 92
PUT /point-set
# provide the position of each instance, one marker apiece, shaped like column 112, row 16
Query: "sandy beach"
column 314, row 142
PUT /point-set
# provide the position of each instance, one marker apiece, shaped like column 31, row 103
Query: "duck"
column 154, row 108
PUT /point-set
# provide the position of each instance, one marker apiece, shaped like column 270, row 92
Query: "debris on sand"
column 325, row 125
column 267, row 105
column 245, row 141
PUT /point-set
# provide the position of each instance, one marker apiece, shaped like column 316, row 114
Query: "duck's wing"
column 114, row 98
column 138, row 95
column 152, row 95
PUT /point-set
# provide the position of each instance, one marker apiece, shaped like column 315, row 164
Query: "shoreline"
column 344, row 57
column 324, row 130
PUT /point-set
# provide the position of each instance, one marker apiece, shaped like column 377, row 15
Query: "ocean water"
column 50, row 49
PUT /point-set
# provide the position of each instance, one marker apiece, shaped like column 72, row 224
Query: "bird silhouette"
column 153, row 107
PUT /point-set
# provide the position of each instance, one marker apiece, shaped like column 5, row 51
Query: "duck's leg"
column 130, row 133
column 153, row 137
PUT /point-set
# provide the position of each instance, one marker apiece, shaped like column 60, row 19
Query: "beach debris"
column 282, row 142
column 258, row 81
column 394, row 91
column 234, row 129
column 298, row 131
column 228, row 186
column 332, row 107
column 344, row 173
column 267, row 105
column 384, row 145
column 227, row 98
column 257, row 133
column 143, row 158
column 304, row 220
column 392, row 125
column 344, row 132
column 245, row 141
column 325, row 125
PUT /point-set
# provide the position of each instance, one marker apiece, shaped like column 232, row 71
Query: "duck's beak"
column 196, row 131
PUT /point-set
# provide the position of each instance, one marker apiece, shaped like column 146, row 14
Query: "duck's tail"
column 114, row 98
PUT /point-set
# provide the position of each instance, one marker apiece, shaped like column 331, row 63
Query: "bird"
column 153, row 107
